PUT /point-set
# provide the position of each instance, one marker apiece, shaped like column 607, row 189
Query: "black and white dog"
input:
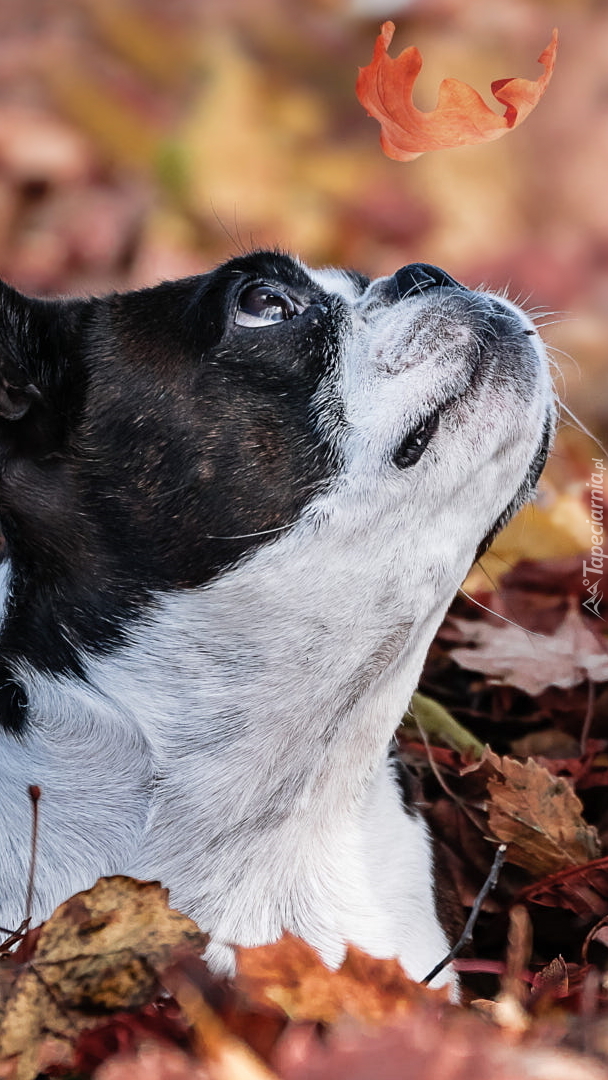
column 236, row 508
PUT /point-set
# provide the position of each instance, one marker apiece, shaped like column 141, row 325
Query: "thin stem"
column 467, row 934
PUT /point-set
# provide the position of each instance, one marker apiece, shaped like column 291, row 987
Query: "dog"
column 236, row 508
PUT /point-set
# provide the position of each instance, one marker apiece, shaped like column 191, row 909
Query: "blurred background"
column 143, row 139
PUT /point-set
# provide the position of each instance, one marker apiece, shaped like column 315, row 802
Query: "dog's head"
column 151, row 441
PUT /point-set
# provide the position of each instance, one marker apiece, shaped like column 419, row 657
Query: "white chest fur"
column 236, row 749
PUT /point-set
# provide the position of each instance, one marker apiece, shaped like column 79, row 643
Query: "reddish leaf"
column 588, row 771
column 430, row 1045
column 461, row 117
column 552, row 981
column 582, row 889
column 160, row 1023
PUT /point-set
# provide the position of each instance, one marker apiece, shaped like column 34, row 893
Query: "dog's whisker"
column 503, row 618
column 543, row 317
column 552, row 349
column 248, row 536
column 579, row 426
column 234, row 239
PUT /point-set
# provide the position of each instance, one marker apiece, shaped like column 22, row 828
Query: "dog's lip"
column 416, row 441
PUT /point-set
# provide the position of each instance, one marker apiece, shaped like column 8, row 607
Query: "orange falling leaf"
column 461, row 117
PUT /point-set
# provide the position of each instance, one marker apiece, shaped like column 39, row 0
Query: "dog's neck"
column 266, row 728
column 255, row 675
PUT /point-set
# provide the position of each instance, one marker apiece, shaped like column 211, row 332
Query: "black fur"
column 147, row 442
column 150, row 440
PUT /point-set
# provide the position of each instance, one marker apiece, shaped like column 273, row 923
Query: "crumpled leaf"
column 100, row 950
column 290, row 974
column 461, row 116
column 539, row 816
column 530, row 662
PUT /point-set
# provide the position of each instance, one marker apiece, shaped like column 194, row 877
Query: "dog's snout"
column 419, row 276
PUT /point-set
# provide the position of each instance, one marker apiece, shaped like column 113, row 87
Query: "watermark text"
column 593, row 571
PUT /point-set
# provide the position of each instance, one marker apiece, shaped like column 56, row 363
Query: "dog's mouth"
column 528, row 486
column 413, row 446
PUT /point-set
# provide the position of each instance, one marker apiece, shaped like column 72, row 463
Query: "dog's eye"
column 260, row 305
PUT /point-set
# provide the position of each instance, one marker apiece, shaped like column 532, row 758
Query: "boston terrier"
column 236, row 508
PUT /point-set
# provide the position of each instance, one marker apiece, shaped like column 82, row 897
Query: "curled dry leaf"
column 461, row 117
column 539, row 816
column 99, row 951
column 519, row 950
column 290, row 974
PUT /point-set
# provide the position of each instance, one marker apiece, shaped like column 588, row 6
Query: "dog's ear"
column 34, row 351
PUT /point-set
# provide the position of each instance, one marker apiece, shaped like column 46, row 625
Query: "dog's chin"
column 528, row 487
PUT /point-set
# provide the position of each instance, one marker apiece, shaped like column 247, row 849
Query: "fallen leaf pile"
column 114, row 985
column 537, row 693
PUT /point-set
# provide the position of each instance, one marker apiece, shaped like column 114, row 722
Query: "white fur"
column 236, row 746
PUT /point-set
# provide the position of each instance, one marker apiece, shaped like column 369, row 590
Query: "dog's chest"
column 265, row 701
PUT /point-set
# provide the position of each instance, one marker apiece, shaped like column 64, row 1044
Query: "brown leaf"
column 540, row 818
column 290, row 974
column 461, row 117
column 99, row 951
column 512, row 656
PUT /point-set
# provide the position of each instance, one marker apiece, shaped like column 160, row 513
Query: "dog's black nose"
column 418, row 276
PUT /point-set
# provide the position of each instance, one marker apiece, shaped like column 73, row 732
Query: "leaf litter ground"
column 113, row 984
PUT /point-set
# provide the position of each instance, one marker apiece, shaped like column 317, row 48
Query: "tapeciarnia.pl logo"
column 594, row 569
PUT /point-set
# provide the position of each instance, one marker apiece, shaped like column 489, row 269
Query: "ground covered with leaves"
column 506, row 741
